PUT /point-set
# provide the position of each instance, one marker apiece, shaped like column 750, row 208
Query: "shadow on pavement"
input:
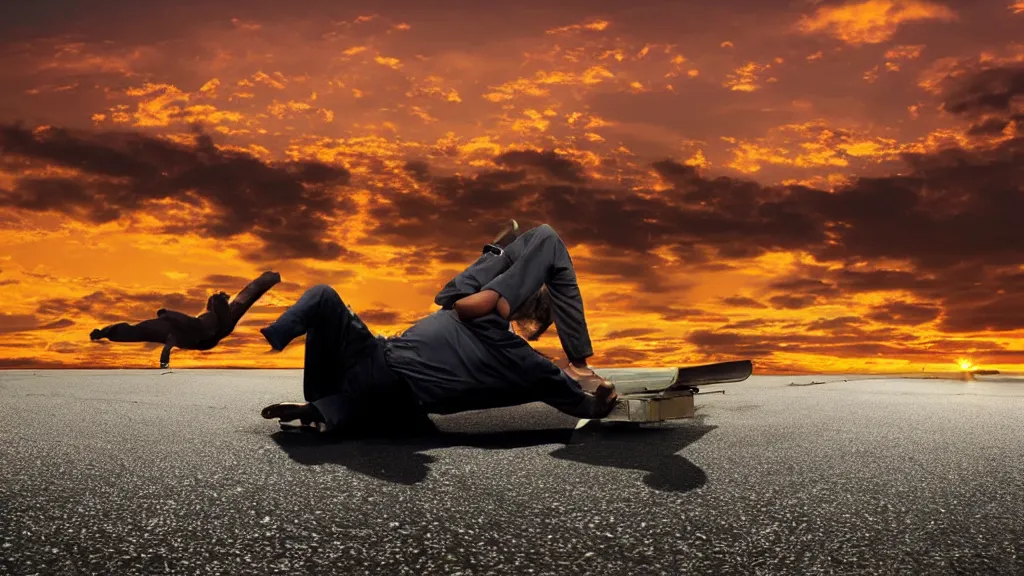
column 653, row 450
column 399, row 458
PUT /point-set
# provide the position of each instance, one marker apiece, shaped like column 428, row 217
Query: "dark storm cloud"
column 452, row 216
column 880, row 280
column 793, row 301
column 884, row 343
column 618, row 355
column 905, row 313
column 385, row 316
column 841, row 324
column 286, row 205
column 674, row 173
column 989, row 127
column 419, row 170
column 121, row 306
column 952, row 216
column 630, row 333
column 14, row 323
column 997, row 313
column 992, row 90
column 30, row 364
column 225, row 281
column 810, row 286
column 742, row 302
column 554, row 165
column 736, row 218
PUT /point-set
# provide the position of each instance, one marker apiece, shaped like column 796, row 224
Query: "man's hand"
column 591, row 382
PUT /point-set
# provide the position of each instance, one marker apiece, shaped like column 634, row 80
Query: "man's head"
column 534, row 316
column 212, row 301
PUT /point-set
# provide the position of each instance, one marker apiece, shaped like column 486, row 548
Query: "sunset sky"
column 816, row 185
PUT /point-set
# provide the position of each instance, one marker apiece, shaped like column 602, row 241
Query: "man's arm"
column 564, row 394
column 486, row 268
column 165, row 354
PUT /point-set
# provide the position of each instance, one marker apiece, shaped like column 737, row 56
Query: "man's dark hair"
column 534, row 316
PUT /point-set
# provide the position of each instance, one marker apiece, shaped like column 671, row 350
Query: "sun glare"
column 965, row 364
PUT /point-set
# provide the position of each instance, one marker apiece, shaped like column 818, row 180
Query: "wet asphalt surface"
column 135, row 472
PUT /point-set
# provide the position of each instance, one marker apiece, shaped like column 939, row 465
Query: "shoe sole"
column 287, row 412
column 508, row 234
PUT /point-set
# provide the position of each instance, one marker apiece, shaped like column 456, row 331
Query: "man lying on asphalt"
column 462, row 357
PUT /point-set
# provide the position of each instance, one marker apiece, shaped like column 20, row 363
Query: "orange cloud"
column 904, row 52
column 422, row 114
column 894, row 56
column 592, row 26
column 433, row 86
column 745, row 78
column 51, row 88
column 392, row 63
column 354, row 50
column 809, row 145
column 250, row 26
column 536, row 86
column 284, row 110
column 82, row 58
column 159, row 105
column 1017, row 7
column 938, row 76
column 210, row 88
column 871, row 21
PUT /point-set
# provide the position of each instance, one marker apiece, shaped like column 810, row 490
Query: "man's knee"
column 545, row 234
column 545, row 231
column 325, row 293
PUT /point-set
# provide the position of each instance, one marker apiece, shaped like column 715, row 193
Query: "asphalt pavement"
column 140, row 472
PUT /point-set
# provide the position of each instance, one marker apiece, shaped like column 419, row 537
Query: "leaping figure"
column 203, row 332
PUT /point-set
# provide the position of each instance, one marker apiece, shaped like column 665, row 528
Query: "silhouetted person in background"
column 202, row 332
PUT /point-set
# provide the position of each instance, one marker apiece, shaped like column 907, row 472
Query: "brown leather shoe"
column 288, row 411
column 508, row 234
column 602, row 389
column 590, row 408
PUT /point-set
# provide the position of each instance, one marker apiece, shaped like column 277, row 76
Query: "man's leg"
column 373, row 400
column 539, row 257
column 335, row 339
column 491, row 263
column 345, row 375
column 153, row 330
column 252, row 292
